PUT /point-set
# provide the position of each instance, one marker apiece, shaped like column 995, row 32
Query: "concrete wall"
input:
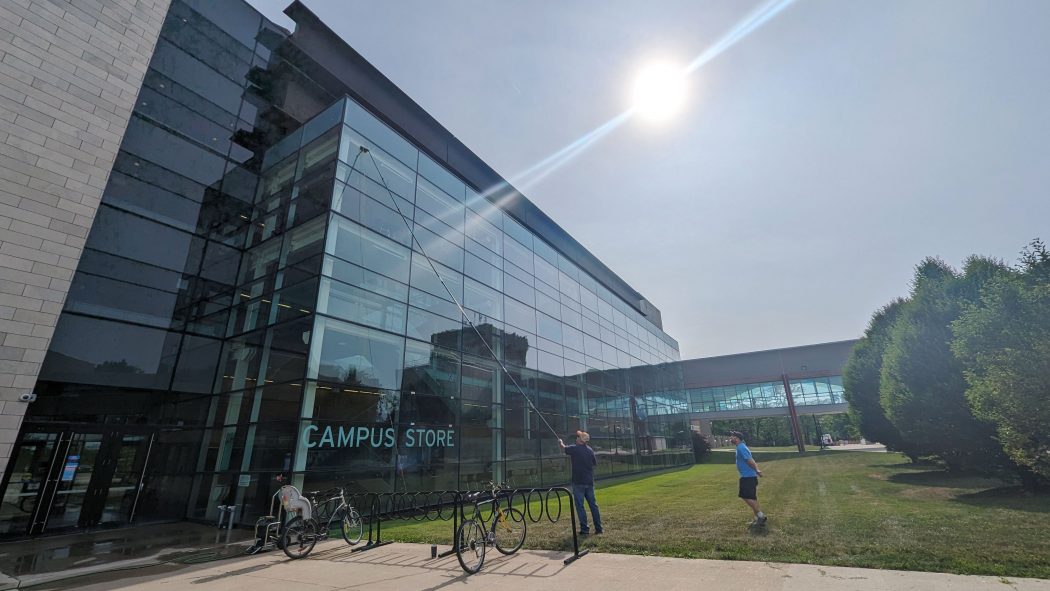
column 70, row 72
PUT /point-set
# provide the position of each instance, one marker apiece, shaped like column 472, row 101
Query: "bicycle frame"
column 496, row 503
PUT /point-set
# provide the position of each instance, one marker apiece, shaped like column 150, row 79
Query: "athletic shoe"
column 762, row 520
column 585, row 533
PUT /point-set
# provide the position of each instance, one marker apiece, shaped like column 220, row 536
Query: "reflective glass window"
column 354, row 179
column 430, row 370
column 384, row 169
column 100, row 296
column 548, row 327
column 354, row 355
column 355, row 275
column 371, row 214
column 441, row 177
column 434, row 304
column 436, row 202
column 424, row 278
column 571, row 317
column 95, row 351
column 438, row 248
column 482, row 298
column 547, row 305
column 371, row 127
column 347, row 302
column 484, row 233
column 367, row 249
column 483, row 271
column 137, row 238
column 572, row 338
column 518, row 232
column 519, row 315
column 545, row 251
column 518, row 290
column 431, row 328
column 438, row 227
column 547, row 272
column 517, row 254
column 193, row 74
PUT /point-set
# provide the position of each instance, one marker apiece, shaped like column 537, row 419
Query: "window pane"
column 434, row 329
column 351, row 303
column 366, row 123
column 369, row 250
column 483, row 299
column 355, row 355
column 94, row 351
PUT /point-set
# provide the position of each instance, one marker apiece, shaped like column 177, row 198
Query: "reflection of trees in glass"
column 387, row 405
column 355, row 371
column 121, row 366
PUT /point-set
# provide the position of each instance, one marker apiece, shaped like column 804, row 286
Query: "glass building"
column 272, row 288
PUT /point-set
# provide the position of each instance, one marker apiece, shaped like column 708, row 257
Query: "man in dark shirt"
column 583, row 463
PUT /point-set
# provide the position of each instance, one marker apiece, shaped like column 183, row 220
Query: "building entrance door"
column 65, row 479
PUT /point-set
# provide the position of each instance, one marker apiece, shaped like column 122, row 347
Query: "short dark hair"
column 737, row 434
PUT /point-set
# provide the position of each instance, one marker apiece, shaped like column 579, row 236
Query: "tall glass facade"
column 399, row 389
column 254, row 302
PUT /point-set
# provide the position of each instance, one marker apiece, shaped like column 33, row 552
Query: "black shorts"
column 749, row 488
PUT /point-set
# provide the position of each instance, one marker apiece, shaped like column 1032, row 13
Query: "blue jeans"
column 579, row 493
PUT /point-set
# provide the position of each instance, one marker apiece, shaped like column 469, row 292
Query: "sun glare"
column 659, row 91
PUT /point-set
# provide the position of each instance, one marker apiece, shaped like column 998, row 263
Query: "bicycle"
column 507, row 532
column 305, row 529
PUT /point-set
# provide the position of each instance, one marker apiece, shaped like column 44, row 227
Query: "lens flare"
column 659, row 91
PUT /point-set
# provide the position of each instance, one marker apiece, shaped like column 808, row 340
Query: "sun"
column 659, row 91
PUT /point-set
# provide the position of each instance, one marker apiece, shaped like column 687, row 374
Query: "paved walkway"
column 408, row 567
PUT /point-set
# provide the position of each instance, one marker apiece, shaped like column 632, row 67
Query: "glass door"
column 70, row 482
column 30, row 466
column 77, row 478
column 114, row 494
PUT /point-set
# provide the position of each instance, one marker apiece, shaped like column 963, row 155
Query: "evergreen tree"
column 861, row 376
column 1004, row 341
column 922, row 383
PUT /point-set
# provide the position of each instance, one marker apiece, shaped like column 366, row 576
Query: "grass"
column 830, row 508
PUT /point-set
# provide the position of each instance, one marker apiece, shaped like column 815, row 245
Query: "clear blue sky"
column 815, row 163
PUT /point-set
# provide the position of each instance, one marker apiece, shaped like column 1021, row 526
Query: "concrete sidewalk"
column 408, row 566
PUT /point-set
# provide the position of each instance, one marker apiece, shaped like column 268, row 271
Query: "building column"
column 793, row 415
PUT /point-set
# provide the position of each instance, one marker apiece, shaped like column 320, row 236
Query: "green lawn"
column 832, row 508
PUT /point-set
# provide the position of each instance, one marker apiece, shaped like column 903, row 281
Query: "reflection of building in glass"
column 250, row 302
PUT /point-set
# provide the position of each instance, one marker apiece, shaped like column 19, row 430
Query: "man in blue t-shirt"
column 583, row 463
column 749, row 473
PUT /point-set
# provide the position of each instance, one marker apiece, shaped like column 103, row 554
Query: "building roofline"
column 775, row 350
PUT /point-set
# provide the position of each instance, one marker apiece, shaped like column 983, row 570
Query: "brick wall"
column 70, row 72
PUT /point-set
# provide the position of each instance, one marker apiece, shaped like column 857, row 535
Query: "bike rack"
column 576, row 554
column 376, row 517
column 526, row 494
column 403, row 505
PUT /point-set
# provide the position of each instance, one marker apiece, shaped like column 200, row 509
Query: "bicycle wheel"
column 299, row 538
column 508, row 530
column 352, row 527
column 470, row 546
